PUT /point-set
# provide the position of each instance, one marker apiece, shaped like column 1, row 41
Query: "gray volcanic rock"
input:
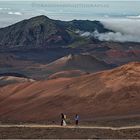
column 36, row 32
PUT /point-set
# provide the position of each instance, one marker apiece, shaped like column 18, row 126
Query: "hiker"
column 76, row 119
column 63, row 120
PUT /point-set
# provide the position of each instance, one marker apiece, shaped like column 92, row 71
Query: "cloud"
column 124, row 30
column 116, row 37
column 15, row 13
column 86, row 34
column 112, row 36
column 134, row 17
column 124, row 26
column 5, row 8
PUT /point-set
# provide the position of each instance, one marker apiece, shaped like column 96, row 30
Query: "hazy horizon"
column 14, row 11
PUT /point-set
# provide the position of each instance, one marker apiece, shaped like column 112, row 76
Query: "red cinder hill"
column 105, row 94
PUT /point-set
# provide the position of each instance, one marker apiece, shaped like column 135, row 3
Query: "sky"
column 87, row 9
column 14, row 11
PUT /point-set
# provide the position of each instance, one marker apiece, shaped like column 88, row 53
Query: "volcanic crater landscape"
column 47, row 67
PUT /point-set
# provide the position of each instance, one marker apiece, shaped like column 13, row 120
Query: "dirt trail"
column 70, row 127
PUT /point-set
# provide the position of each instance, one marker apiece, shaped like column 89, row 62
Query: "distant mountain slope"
column 84, row 25
column 36, row 65
column 83, row 62
column 41, row 31
column 36, row 32
column 112, row 93
column 67, row 74
column 11, row 78
column 13, row 74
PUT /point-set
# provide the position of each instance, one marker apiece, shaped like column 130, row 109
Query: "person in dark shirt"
column 76, row 119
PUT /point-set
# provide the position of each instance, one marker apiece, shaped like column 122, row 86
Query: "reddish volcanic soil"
column 105, row 94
